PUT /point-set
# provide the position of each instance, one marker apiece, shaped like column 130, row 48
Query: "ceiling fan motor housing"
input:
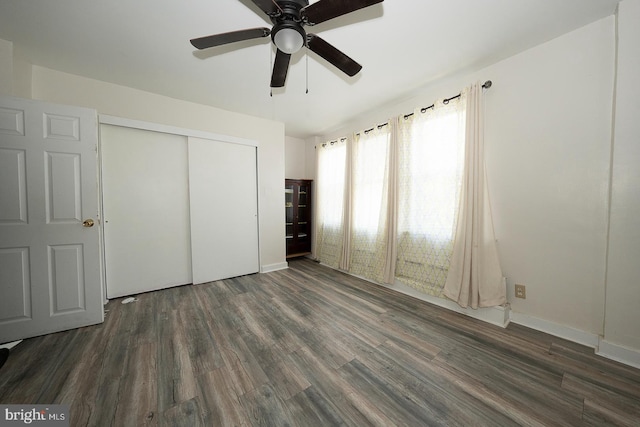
column 289, row 20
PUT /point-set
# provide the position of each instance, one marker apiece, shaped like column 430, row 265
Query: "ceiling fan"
column 289, row 18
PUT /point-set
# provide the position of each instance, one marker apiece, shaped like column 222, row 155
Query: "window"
column 430, row 170
column 330, row 186
column 370, row 177
column 430, row 174
column 415, row 161
column 370, row 195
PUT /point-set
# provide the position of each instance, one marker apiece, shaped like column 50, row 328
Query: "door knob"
column 88, row 223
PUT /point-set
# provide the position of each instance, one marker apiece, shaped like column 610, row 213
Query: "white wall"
column 110, row 99
column 22, row 74
column 6, row 67
column 310, row 154
column 295, row 159
column 300, row 157
column 548, row 129
column 548, row 138
column 622, row 321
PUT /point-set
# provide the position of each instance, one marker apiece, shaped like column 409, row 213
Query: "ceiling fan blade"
column 267, row 6
column 323, row 10
column 280, row 68
column 333, row 55
column 226, row 38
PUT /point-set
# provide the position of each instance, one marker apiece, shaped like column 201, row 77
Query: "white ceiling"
column 402, row 45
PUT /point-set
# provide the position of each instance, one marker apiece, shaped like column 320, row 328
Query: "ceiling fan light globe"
column 288, row 40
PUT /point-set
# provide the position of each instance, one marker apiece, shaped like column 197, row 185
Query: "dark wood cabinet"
column 297, row 194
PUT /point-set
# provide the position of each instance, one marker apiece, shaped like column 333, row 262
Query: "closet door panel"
column 146, row 210
column 224, row 209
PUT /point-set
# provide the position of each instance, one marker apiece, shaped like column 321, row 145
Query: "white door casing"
column 50, row 272
column 224, row 209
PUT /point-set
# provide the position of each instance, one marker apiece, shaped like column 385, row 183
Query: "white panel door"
column 224, row 209
column 50, row 278
column 146, row 210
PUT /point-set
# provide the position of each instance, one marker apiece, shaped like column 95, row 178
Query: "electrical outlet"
column 521, row 291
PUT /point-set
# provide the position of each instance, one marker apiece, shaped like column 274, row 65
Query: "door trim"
column 156, row 127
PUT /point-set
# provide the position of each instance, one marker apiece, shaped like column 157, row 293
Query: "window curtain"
column 409, row 200
column 369, row 202
column 430, row 168
column 331, row 163
column 475, row 278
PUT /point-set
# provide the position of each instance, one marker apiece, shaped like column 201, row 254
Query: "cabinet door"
column 289, row 190
column 224, row 209
column 303, row 217
column 298, row 216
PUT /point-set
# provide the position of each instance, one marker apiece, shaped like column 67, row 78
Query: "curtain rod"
column 485, row 85
column 366, row 131
column 333, row 142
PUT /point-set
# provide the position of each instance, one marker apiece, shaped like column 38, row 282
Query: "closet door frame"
column 187, row 133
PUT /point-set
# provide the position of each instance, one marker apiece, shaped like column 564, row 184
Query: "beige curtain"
column 430, row 169
column 368, row 204
column 388, row 274
column 331, row 163
column 475, row 278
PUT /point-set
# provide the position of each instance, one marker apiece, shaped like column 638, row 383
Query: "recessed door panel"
column 62, row 184
column 61, row 127
column 14, row 275
column 11, row 121
column 66, row 279
column 13, row 187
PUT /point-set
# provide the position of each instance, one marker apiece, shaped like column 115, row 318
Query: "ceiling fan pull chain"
column 307, row 68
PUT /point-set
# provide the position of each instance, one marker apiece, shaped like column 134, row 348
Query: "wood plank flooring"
column 310, row 346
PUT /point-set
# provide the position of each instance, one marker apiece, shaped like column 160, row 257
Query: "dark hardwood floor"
column 310, row 346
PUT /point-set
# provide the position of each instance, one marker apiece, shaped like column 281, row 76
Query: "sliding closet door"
column 224, row 209
column 146, row 210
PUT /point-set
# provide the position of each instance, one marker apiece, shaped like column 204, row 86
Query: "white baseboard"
column 556, row 329
column 619, row 353
column 10, row 345
column 602, row 347
column 501, row 316
column 495, row 315
column 274, row 267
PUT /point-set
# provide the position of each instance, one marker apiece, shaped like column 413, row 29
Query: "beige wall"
column 548, row 140
column 622, row 320
column 6, row 67
column 110, row 99
column 22, row 74
column 295, row 159
column 548, row 126
column 300, row 158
